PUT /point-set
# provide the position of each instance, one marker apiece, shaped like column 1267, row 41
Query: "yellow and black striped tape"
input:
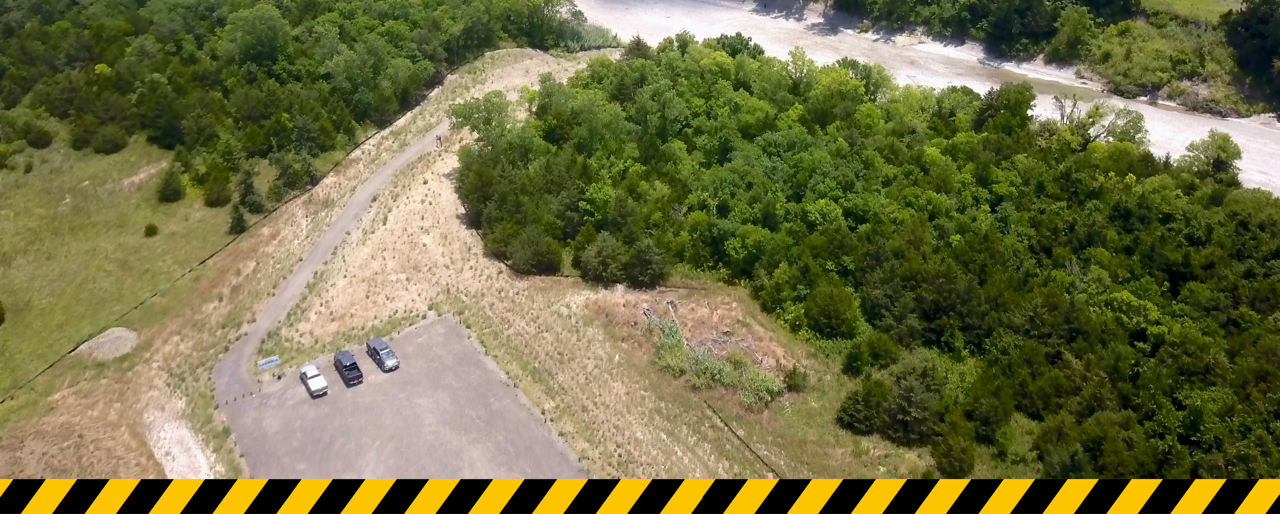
column 638, row 496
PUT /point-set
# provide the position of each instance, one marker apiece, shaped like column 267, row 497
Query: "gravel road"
column 781, row 25
column 231, row 376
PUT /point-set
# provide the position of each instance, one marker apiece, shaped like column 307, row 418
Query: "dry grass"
column 713, row 323
column 577, row 351
column 86, row 418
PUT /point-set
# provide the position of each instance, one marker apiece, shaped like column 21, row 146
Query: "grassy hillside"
column 1203, row 10
column 74, row 256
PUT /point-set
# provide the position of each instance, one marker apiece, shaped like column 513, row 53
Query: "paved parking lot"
column 448, row 412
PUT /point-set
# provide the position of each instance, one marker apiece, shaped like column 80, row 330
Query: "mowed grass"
column 73, row 256
column 1201, row 10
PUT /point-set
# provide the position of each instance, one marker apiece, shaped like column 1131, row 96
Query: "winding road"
column 231, row 376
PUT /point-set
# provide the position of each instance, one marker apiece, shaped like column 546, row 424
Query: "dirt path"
column 781, row 25
column 231, row 376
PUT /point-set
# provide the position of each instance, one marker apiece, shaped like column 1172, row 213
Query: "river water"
column 779, row 26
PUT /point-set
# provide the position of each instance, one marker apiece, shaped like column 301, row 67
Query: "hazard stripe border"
column 638, row 496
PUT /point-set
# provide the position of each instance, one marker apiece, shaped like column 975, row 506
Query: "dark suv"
column 382, row 354
column 347, row 368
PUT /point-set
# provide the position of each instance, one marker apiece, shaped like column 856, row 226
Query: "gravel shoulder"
column 781, row 25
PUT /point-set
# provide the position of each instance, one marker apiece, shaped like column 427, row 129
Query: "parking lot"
column 448, row 412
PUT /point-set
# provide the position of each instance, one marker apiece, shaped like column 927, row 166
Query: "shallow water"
column 779, row 26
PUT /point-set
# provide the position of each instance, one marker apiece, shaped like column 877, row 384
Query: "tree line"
column 974, row 269
column 1226, row 66
column 227, row 83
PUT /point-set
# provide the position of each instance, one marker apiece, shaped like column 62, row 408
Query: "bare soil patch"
column 142, row 176
column 716, row 324
column 110, row 344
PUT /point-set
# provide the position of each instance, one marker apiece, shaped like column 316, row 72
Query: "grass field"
column 73, row 256
column 1201, row 10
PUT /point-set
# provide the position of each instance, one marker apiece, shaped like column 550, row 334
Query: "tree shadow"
column 794, row 10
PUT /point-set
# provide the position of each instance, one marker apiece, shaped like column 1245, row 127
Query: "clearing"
column 90, row 418
column 1207, row 11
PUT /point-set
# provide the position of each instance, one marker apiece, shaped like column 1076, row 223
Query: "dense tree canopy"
column 968, row 262
column 1136, row 53
column 1254, row 32
column 230, row 80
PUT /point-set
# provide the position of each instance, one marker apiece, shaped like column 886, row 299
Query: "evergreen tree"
column 238, row 223
column 954, row 448
column 171, row 188
column 249, row 197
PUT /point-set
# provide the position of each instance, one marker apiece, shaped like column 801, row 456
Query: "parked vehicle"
column 347, row 368
column 382, row 354
column 313, row 381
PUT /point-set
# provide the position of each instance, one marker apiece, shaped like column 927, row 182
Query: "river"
column 779, row 26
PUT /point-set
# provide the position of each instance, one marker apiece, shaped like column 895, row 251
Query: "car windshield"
column 387, row 354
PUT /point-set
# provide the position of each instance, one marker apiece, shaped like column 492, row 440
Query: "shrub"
column 171, row 188
column 646, row 266
column 913, row 412
column 709, row 371
column 248, row 195
column 863, row 410
column 872, row 350
column 832, row 311
column 151, row 230
column 28, row 167
column 533, row 252
column 637, row 48
column 83, row 132
column 954, row 448
column 38, row 136
column 217, row 190
column 671, row 356
column 603, row 260
column 238, row 223
column 109, row 139
column 797, row 380
column 759, row 387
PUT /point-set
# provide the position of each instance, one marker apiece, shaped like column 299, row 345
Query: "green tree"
column 1076, row 30
column 37, row 136
column 257, row 35
column 248, row 195
column 637, row 48
column 238, row 224
column 154, row 106
column 832, row 311
column 172, row 187
column 109, row 139
column 604, row 260
column 534, row 252
column 647, row 265
column 954, row 449
column 863, row 410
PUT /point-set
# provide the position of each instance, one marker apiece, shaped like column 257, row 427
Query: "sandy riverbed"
column 780, row 25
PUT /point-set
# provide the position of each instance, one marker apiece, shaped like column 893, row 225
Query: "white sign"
column 269, row 362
